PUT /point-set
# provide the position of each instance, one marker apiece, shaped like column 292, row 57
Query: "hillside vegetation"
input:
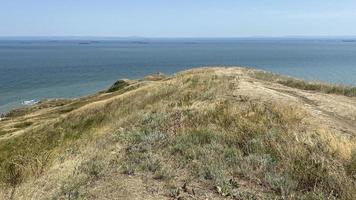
column 207, row 133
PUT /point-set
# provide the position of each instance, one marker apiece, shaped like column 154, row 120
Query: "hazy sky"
column 177, row 18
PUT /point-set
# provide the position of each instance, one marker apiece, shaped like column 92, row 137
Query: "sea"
column 35, row 69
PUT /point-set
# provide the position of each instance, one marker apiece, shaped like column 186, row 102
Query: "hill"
column 207, row 133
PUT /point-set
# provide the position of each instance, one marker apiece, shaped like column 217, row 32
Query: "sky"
column 178, row 18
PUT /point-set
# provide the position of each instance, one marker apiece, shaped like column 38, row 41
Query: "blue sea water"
column 37, row 69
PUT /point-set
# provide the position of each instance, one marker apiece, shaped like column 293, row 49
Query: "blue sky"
column 177, row 18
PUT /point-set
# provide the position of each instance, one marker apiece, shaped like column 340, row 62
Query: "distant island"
column 349, row 40
column 205, row 133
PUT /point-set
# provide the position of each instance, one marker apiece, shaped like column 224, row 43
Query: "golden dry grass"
column 306, row 85
column 203, row 133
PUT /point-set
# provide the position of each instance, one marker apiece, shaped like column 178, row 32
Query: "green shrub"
column 118, row 85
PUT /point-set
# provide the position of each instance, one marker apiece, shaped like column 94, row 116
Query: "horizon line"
column 183, row 37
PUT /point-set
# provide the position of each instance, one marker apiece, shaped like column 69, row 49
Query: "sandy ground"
column 334, row 112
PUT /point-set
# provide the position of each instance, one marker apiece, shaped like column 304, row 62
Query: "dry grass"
column 252, row 144
column 186, row 129
column 305, row 85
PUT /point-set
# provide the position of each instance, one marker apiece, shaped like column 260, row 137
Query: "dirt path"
column 336, row 111
column 348, row 125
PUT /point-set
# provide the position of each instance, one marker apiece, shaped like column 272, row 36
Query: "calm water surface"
column 54, row 69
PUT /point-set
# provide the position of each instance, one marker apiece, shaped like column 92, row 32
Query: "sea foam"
column 30, row 102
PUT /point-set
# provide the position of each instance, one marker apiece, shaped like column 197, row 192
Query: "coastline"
column 102, row 85
column 43, row 69
column 55, row 92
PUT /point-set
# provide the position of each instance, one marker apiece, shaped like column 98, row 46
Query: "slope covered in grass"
column 306, row 85
column 209, row 133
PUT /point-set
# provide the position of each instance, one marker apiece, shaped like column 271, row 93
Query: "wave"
column 30, row 102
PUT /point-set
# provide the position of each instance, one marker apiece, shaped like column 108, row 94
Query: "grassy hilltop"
column 207, row 133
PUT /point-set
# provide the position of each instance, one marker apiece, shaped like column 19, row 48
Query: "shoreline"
column 32, row 102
